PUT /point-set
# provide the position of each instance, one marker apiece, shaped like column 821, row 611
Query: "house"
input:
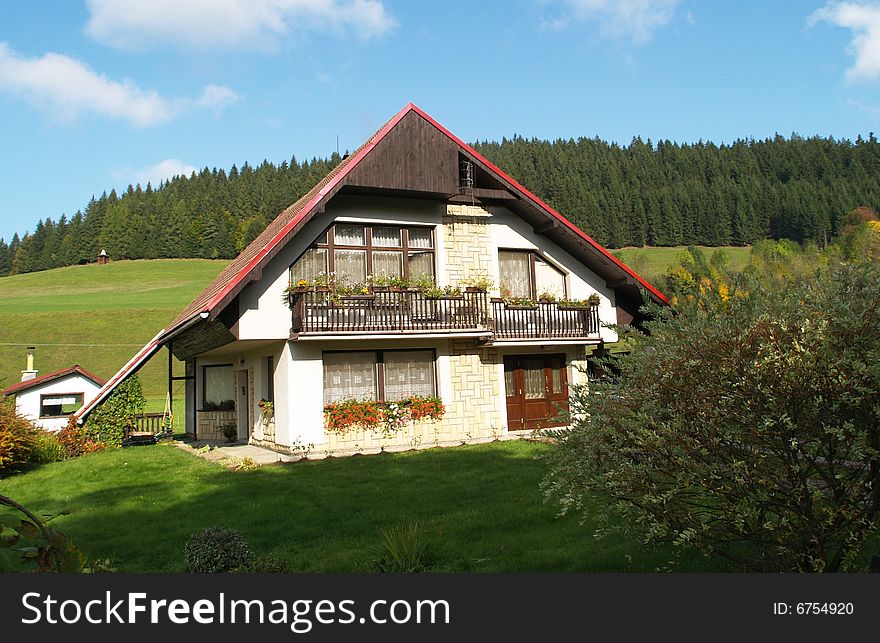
column 321, row 308
column 50, row 400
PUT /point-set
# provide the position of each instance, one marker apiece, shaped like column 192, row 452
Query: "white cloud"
column 863, row 19
column 67, row 87
column 161, row 171
column 216, row 24
column 628, row 20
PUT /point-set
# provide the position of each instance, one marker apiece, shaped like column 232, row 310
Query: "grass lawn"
column 480, row 508
column 96, row 316
column 651, row 263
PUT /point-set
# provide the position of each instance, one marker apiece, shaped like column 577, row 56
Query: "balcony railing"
column 316, row 311
column 544, row 320
column 383, row 311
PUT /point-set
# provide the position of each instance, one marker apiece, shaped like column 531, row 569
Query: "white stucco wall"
column 28, row 402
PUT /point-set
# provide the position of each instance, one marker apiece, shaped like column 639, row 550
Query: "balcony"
column 322, row 312
column 544, row 320
column 382, row 311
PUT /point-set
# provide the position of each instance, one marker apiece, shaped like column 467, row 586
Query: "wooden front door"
column 536, row 387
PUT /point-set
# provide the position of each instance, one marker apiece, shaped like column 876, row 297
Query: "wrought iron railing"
column 544, row 320
column 316, row 311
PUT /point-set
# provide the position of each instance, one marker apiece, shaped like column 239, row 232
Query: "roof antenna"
column 337, row 145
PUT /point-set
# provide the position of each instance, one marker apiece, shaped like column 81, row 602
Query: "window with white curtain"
column 516, row 273
column 378, row 375
column 310, row 265
column 350, row 266
column 353, row 251
column 218, row 384
column 526, row 274
column 408, row 373
column 350, row 376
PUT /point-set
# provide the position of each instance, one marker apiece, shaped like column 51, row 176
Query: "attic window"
column 465, row 172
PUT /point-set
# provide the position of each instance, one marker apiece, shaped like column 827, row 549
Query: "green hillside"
column 651, row 263
column 96, row 316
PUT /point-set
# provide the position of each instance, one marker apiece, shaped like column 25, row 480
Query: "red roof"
column 236, row 275
column 76, row 369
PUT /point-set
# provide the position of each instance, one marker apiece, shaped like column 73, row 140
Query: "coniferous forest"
column 644, row 193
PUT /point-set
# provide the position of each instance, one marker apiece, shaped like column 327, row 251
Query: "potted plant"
column 267, row 411
column 356, row 291
column 520, row 303
column 230, row 431
column 478, row 283
column 574, row 303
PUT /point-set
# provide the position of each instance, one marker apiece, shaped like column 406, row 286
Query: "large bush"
column 746, row 425
column 107, row 423
column 217, row 550
column 18, row 436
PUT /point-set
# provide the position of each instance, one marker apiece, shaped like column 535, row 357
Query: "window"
column 349, row 376
column 60, row 404
column 312, row 263
column 409, row 373
column 218, row 388
column 378, row 375
column 269, row 378
column 354, row 251
column 527, row 275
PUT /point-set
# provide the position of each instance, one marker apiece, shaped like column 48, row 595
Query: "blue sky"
column 98, row 94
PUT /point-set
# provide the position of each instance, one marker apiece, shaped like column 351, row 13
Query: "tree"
column 747, row 426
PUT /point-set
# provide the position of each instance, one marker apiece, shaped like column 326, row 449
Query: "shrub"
column 18, row 435
column 47, row 449
column 230, row 431
column 403, row 551
column 107, row 423
column 745, row 427
column 74, row 440
column 217, row 550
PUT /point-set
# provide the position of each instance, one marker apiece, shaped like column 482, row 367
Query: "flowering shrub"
column 343, row 416
column 388, row 417
column 426, row 408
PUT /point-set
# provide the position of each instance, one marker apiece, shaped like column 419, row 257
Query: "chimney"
column 29, row 373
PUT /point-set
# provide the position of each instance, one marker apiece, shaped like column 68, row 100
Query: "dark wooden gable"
column 413, row 157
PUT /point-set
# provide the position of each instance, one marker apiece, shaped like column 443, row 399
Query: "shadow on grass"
column 480, row 507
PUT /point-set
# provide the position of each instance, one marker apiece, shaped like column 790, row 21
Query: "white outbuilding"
column 50, row 400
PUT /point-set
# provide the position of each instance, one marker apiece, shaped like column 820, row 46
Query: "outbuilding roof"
column 76, row 369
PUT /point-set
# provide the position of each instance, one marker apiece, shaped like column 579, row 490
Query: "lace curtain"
column 349, row 376
column 408, row 373
column 515, row 275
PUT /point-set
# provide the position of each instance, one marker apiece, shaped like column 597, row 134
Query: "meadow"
column 96, row 316
column 478, row 508
column 652, row 263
